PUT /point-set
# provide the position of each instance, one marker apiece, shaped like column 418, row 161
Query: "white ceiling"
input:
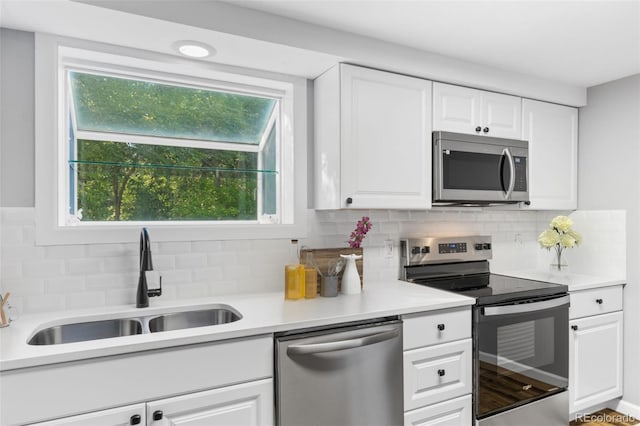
column 578, row 42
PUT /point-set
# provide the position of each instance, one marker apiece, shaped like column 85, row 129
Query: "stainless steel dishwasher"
column 347, row 376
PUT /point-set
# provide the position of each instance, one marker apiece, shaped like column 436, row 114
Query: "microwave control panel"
column 521, row 173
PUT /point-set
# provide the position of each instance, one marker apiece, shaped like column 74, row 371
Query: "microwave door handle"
column 512, row 175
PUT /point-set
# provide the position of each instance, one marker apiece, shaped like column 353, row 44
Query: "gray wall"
column 609, row 178
column 17, row 135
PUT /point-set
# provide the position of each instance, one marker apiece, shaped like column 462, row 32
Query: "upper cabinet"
column 552, row 132
column 372, row 140
column 464, row 110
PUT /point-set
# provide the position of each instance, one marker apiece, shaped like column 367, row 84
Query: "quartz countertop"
column 574, row 281
column 262, row 313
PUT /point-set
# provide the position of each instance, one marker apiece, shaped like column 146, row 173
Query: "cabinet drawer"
column 455, row 412
column 436, row 373
column 436, row 327
column 595, row 301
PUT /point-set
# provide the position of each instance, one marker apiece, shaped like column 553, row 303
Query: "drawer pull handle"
column 574, row 327
column 157, row 415
column 136, row 419
column 441, row 327
column 441, row 372
column 599, row 301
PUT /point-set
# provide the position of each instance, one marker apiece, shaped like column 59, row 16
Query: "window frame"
column 53, row 56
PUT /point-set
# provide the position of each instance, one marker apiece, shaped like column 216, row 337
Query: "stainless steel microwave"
column 479, row 170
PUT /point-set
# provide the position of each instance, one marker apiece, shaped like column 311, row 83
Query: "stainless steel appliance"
column 520, row 330
column 346, row 376
column 473, row 169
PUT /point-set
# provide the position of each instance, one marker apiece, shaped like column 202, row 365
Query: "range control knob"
column 486, row 246
column 477, row 246
column 425, row 250
column 415, row 250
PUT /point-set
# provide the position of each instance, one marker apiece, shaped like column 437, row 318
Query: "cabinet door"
column 456, row 109
column 385, row 150
column 501, row 115
column 552, row 132
column 245, row 404
column 595, row 360
column 464, row 110
column 121, row 416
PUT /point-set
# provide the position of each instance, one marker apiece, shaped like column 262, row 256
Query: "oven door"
column 479, row 171
column 521, row 353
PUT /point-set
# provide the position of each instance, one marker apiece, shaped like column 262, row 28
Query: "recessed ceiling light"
column 194, row 49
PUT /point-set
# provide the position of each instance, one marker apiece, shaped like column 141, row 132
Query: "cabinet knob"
column 441, row 372
column 574, row 327
column 485, row 130
column 441, row 327
column 136, row 419
column 599, row 301
column 478, row 129
column 349, row 200
column 157, row 415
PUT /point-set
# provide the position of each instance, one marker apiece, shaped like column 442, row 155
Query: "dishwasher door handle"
column 316, row 348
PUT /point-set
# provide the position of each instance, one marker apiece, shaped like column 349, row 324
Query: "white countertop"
column 575, row 282
column 261, row 314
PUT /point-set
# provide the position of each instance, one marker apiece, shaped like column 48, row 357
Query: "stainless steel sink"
column 83, row 331
column 191, row 319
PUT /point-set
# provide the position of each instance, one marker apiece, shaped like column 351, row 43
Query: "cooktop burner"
column 461, row 265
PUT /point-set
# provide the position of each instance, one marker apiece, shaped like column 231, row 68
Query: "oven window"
column 520, row 358
column 475, row 171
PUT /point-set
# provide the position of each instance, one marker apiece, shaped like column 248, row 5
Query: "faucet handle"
column 153, row 279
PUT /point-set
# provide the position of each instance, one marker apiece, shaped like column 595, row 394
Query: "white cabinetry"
column 464, row 110
column 129, row 415
column 372, row 140
column 552, row 132
column 247, row 404
column 437, row 367
column 595, row 347
column 232, row 376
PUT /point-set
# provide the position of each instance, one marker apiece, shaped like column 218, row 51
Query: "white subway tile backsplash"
column 63, row 277
column 86, row 266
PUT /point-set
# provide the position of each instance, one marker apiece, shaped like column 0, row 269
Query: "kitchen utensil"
column 3, row 316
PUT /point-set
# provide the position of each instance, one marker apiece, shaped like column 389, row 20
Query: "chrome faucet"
column 146, row 264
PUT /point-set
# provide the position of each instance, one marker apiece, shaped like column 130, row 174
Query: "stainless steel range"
column 520, row 330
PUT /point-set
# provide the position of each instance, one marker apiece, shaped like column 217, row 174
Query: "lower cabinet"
column 247, row 404
column 454, row 412
column 595, row 347
column 438, row 368
column 225, row 382
column 596, row 368
column 129, row 415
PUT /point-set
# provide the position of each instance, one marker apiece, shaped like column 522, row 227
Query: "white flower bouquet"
column 559, row 235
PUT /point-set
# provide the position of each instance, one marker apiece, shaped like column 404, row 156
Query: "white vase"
column 350, row 277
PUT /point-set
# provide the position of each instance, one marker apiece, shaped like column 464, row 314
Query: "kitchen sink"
column 104, row 329
column 83, row 331
column 191, row 319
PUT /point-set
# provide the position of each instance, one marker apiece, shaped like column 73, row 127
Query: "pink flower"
column 357, row 236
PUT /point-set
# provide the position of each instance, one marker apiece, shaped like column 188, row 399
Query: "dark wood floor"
column 605, row 417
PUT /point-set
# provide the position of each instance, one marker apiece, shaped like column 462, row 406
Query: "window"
column 142, row 150
column 195, row 152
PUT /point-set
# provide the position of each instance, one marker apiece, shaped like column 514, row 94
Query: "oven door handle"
column 525, row 307
column 512, row 173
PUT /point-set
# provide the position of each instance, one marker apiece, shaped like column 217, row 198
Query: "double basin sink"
column 108, row 328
